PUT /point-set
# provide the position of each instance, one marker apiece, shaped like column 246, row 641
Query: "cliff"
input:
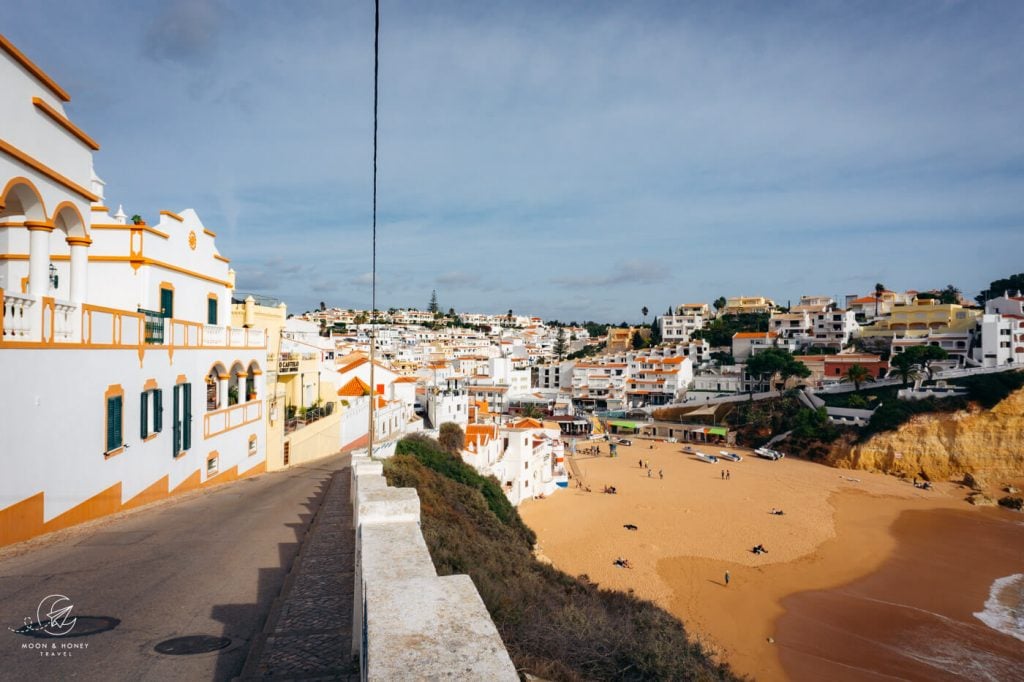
column 988, row 443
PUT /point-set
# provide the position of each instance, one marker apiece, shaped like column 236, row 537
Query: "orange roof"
column 526, row 423
column 406, row 380
column 754, row 335
column 356, row 388
column 866, row 299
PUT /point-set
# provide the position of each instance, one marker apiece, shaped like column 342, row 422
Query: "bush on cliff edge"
column 553, row 625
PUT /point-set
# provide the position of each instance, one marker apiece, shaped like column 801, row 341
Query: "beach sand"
column 692, row 527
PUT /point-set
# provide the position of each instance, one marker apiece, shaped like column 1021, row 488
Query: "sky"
column 571, row 160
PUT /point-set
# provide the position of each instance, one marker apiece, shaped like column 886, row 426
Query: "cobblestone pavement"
column 308, row 633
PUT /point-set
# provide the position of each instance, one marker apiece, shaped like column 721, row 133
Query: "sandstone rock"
column 988, row 444
column 1012, row 502
column 1010, row 489
column 973, row 482
column 981, row 500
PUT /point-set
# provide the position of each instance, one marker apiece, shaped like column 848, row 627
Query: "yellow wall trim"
column 98, row 209
column 30, row 66
column 31, row 162
column 172, row 214
column 221, row 258
column 64, row 123
column 208, row 233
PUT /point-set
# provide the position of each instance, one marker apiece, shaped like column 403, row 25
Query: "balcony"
column 44, row 322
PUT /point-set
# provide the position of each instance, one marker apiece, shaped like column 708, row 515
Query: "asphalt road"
column 210, row 563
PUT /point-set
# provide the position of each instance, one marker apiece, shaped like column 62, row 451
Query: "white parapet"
column 408, row 623
column 432, row 628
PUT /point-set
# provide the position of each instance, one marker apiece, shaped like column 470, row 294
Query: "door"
column 167, row 302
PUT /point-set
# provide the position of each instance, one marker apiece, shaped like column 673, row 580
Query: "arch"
column 212, row 381
column 21, row 197
column 68, row 219
column 252, row 371
column 236, row 383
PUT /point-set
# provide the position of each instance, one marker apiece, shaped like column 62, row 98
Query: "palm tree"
column 904, row 367
column 644, row 311
column 857, row 374
column 879, row 290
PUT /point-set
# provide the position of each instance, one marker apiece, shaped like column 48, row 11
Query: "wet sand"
column 913, row 618
column 693, row 526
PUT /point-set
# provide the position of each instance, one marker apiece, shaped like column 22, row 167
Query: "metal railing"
column 154, row 326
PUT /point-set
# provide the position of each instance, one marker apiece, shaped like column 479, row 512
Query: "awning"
column 718, row 431
column 623, row 424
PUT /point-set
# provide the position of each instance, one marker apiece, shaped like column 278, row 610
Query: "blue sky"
column 575, row 160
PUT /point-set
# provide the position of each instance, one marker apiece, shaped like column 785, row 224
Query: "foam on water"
column 1004, row 609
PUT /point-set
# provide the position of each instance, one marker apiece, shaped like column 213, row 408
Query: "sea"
column 1004, row 608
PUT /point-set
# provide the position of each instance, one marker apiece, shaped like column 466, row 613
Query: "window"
column 115, row 414
column 211, row 310
column 151, row 412
column 182, row 419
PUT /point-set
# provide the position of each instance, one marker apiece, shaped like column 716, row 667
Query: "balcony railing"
column 46, row 322
column 154, row 325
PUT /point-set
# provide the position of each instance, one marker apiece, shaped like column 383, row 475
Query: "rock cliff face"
column 987, row 443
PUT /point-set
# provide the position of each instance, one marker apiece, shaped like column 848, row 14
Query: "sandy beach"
column 693, row 526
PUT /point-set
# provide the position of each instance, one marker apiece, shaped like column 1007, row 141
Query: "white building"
column 688, row 318
column 120, row 373
column 834, row 328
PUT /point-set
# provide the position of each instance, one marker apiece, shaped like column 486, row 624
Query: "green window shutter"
column 186, row 422
column 167, row 302
column 144, row 415
column 113, row 423
column 211, row 311
column 158, row 410
column 176, row 422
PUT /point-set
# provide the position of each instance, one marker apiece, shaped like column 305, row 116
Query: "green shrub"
column 554, row 626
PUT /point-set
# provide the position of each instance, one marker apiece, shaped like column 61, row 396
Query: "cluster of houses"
column 136, row 370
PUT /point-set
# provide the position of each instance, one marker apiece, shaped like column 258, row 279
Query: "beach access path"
column 210, row 563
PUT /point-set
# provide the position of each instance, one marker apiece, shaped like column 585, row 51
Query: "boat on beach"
column 768, row 453
column 710, row 459
column 731, row 456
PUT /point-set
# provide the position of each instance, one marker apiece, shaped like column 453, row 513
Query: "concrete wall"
column 313, row 441
column 409, row 623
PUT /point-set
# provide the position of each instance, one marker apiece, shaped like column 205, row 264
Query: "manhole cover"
column 83, row 627
column 192, row 644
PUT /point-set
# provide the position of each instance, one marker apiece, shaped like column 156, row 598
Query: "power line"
column 371, row 428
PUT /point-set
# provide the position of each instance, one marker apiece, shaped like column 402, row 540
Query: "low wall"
column 313, row 441
column 409, row 623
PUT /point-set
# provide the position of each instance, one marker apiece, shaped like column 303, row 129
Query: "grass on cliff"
column 554, row 626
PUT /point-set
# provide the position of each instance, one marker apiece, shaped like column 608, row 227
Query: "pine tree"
column 433, row 307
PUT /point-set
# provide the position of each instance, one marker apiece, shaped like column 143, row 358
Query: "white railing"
column 64, row 316
column 256, row 338
column 213, row 335
column 237, row 338
column 18, row 317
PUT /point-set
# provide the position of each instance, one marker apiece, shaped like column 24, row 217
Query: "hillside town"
column 157, row 302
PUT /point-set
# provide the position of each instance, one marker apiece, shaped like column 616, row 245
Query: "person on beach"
column 723, row 474
column 642, row 466
column 728, row 474
column 727, row 578
column 661, row 474
column 648, row 473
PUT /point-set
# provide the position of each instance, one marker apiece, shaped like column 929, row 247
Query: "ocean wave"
column 1004, row 609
